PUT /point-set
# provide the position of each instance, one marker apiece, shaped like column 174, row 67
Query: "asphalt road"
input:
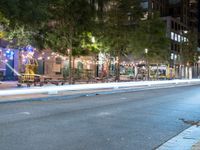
column 140, row 120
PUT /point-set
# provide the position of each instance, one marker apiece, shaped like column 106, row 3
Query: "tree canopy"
column 151, row 35
column 189, row 48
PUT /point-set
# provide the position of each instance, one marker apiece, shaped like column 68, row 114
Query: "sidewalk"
column 189, row 139
column 8, row 84
column 196, row 146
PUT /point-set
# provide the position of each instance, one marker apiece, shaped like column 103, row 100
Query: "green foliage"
column 117, row 25
column 118, row 22
column 151, row 34
column 4, row 23
column 23, row 19
column 19, row 37
column 25, row 12
column 3, row 20
column 89, row 42
column 189, row 48
column 69, row 20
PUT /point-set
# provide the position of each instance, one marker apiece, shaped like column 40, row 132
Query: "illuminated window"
column 176, row 37
column 172, row 35
column 179, row 38
column 172, row 56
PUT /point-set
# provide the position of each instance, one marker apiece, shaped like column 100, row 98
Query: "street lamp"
column 93, row 40
column 147, row 64
column 146, row 50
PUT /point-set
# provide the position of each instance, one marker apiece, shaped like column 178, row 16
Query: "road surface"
column 140, row 120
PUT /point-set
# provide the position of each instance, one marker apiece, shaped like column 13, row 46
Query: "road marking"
column 183, row 141
column 24, row 113
column 123, row 98
column 101, row 114
column 13, row 116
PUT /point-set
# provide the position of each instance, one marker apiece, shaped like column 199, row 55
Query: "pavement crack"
column 190, row 122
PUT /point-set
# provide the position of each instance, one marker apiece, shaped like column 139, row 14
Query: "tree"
column 189, row 54
column 25, row 19
column 189, row 48
column 151, row 35
column 30, row 13
column 69, row 20
column 55, row 24
column 4, row 23
column 118, row 22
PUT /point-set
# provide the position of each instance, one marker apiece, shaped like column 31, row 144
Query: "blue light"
column 29, row 48
column 8, row 52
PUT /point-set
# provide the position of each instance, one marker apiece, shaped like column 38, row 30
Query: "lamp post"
column 147, row 63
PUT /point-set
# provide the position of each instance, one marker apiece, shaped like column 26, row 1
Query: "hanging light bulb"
column 39, row 58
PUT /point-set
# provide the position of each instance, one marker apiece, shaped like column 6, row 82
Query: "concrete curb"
column 56, row 89
column 95, row 93
column 183, row 141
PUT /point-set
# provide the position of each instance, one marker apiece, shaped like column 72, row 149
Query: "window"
column 58, row 60
column 172, row 35
column 179, row 38
column 176, row 37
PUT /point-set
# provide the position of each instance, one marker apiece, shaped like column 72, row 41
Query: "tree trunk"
column 73, row 69
column 70, row 66
column 157, row 75
column 117, row 76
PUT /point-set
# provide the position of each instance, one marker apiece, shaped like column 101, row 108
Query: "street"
column 140, row 120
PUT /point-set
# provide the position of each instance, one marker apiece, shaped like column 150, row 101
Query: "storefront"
column 8, row 64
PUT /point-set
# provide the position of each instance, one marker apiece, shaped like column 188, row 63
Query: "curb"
column 87, row 94
column 183, row 141
column 115, row 85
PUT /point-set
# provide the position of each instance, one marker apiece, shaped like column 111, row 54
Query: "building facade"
column 180, row 16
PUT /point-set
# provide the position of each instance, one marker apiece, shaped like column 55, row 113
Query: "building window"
column 58, row 60
column 172, row 35
column 176, row 37
column 172, row 56
column 179, row 38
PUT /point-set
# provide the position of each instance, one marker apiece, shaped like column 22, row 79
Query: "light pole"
column 147, row 63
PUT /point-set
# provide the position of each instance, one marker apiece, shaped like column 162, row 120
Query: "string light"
column 39, row 58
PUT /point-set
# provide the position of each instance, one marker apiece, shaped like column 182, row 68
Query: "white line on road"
column 101, row 114
column 24, row 113
column 123, row 98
